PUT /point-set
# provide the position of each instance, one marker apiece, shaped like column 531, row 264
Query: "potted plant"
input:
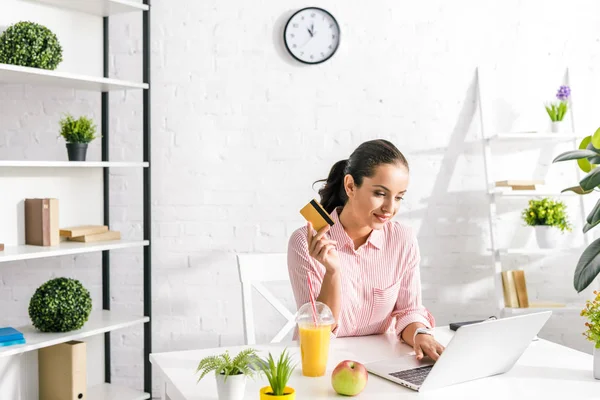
column 592, row 313
column 278, row 374
column 558, row 110
column 549, row 219
column 230, row 373
column 588, row 156
column 78, row 133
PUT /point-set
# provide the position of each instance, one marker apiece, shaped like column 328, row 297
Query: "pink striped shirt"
column 380, row 282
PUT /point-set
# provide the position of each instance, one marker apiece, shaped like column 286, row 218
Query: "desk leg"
column 163, row 392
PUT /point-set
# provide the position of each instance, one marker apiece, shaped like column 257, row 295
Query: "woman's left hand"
column 426, row 345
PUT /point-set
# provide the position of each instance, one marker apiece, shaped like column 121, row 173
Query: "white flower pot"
column 547, row 237
column 231, row 389
column 558, row 126
column 596, row 363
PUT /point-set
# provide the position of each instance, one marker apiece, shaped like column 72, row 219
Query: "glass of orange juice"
column 314, row 337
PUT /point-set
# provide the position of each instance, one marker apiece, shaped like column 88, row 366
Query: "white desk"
column 546, row 371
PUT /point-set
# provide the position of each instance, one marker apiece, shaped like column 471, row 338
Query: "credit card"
column 314, row 213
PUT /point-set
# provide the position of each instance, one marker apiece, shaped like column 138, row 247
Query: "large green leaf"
column 584, row 163
column 587, row 226
column 588, row 266
column 576, row 189
column 575, row 155
column 594, row 215
column 591, row 180
column 596, row 139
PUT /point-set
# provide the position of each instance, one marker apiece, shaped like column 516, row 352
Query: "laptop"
column 475, row 351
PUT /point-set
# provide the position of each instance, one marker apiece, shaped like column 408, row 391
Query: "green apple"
column 349, row 378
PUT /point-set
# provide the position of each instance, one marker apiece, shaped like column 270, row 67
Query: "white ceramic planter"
column 558, row 126
column 231, row 389
column 596, row 363
column 547, row 237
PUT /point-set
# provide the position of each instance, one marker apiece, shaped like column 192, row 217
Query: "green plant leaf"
column 596, row 139
column 591, row 180
column 587, row 226
column 588, row 266
column 576, row 189
column 584, row 163
column 575, row 155
column 594, row 215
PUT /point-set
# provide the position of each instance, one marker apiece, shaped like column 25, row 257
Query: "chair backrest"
column 255, row 269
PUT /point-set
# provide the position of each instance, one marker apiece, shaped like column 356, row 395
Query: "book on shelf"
column 515, row 289
column 520, row 184
column 10, row 336
column 1, row 246
column 83, row 230
column 510, row 290
column 98, row 237
column 41, row 222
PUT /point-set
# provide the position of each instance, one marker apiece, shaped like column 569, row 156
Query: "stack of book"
column 89, row 233
column 515, row 292
column 10, row 336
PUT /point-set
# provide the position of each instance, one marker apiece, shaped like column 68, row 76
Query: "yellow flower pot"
column 289, row 394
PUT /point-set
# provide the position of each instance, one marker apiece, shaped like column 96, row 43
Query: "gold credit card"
column 316, row 214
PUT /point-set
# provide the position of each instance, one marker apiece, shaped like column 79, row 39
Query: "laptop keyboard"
column 416, row 376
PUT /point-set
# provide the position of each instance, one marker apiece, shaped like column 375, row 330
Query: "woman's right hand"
column 322, row 249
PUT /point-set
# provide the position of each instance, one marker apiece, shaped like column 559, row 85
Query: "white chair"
column 255, row 269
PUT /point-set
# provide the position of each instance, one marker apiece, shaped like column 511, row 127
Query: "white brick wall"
column 240, row 132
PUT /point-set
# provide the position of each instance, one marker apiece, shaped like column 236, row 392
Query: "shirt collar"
column 338, row 233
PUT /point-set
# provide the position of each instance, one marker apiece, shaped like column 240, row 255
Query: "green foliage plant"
column 244, row 363
column 81, row 130
column 547, row 212
column 278, row 372
column 30, row 45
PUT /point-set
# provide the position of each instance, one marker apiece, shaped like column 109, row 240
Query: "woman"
column 365, row 267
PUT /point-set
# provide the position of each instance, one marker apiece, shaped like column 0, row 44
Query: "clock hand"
column 310, row 32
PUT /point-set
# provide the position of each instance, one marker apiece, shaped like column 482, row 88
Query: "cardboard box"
column 41, row 222
column 62, row 371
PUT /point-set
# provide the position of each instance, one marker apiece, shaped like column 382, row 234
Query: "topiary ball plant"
column 30, row 45
column 60, row 305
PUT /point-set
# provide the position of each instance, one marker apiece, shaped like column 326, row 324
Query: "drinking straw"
column 312, row 300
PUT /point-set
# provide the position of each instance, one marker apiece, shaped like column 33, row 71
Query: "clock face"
column 312, row 35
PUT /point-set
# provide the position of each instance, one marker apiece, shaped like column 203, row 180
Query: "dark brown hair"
column 361, row 164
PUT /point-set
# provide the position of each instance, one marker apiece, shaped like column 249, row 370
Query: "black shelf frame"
column 147, row 210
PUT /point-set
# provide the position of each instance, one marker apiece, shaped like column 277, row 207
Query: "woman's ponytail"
column 333, row 194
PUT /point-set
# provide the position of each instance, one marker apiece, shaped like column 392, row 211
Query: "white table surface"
column 545, row 371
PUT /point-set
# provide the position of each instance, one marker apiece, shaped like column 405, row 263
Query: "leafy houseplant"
column 548, row 217
column 587, row 157
column 60, row 305
column 592, row 313
column 30, row 45
column 230, row 372
column 78, row 133
column 557, row 111
column 278, row 374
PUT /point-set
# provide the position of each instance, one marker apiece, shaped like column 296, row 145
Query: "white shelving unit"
column 101, row 8
column 28, row 252
column 15, row 74
column 71, row 164
column 496, row 193
column 98, row 322
column 103, row 321
column 109, row 391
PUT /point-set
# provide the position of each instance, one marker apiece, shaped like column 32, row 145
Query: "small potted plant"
column 558, row 110
column 592, row 313
column 278, row 374
column 78, row 133
column 230, row 372
column 549, row 218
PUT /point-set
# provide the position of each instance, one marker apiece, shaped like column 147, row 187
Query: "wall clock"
column 311, row 35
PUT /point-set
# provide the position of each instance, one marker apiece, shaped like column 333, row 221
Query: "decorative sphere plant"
column 60, row 305
column 30, row 45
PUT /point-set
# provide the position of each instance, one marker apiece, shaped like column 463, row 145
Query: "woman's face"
column 378, row 199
